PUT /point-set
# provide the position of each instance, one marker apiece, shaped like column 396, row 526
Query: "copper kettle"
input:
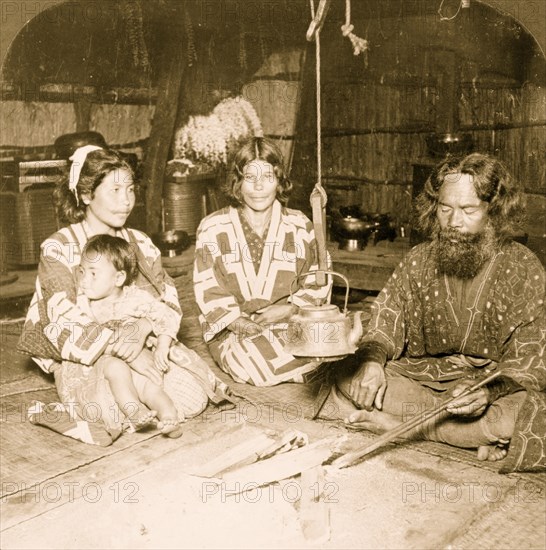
column 322, row 331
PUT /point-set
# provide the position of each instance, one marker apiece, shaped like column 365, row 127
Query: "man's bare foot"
column 170, row 427
column 492, row 453
column 374, row 421
column 139, row 416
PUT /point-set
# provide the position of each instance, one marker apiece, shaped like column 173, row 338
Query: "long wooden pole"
column 350, row 458
column 161, row 135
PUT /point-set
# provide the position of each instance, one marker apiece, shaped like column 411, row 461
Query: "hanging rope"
column 318, row 99
column 359, row 44
column 318, row 195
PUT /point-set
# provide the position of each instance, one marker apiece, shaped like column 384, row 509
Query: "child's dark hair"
column 98, row 164
column 252, row 149
column 120, row 252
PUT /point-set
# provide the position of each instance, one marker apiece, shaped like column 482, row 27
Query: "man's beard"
column 463, row 255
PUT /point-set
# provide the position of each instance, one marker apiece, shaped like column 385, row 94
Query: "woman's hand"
column 128, row 341
column 474, row 404
column 275, row 313
column 144, row 364
column 245, row 327
column 368, row 385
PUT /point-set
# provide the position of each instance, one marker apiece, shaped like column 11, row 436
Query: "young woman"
column 97, row 197
column 247, row 256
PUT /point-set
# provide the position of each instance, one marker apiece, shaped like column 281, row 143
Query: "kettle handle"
column 298, row 277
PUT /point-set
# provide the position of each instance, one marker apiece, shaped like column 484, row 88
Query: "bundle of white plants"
column 206, row 142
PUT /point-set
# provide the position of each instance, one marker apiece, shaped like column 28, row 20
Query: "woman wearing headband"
column 96, row 198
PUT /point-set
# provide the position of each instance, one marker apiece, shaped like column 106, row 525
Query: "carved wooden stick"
column 350, row 458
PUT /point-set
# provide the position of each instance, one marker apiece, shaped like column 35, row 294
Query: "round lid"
column 319, row 312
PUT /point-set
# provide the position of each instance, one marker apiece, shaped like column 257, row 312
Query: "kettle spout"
column 356, row 332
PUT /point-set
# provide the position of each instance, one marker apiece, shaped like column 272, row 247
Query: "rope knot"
column 359, row 44
column 347, row 29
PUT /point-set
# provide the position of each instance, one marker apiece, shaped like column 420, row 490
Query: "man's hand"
column 368, row 386
column 144, row 364
column 474, row 404
column 275, row 313
column 127, row 342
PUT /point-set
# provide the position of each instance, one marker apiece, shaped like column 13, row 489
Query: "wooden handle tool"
column 350, row 458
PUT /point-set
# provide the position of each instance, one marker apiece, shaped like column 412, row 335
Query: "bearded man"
column 460, row 306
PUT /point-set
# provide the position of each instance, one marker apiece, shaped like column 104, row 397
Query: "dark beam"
column 163, row 126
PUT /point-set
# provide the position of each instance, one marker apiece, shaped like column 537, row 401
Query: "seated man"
column 465, row 303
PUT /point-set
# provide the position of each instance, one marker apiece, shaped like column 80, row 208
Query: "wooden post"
column 82, row 109
column 163, row 126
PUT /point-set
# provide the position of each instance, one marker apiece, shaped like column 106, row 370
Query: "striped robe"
column 55, row 328
column 227, row 285
column 66, row 340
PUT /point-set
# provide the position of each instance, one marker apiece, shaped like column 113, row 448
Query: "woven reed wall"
column 121, row 124
column 274, row 92
column 480, row 75
column 29, row 124
column 38, row 124
column 509, row 123
column 372, row 134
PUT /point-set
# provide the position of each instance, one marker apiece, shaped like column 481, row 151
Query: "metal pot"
column 351, row 227
column 440, row 145
column 171, row 243
column 66, row 144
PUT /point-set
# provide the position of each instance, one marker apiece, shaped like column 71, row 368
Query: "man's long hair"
column 493, row 184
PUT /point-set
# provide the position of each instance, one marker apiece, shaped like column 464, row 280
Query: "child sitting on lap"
column 107, row 269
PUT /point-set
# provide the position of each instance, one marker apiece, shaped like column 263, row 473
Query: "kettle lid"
column 319, row 312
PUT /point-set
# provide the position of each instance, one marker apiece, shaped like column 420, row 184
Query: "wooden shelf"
column 369, row 269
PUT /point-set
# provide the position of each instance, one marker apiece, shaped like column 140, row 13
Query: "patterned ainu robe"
column 227, row 285
column 56, row 328
column 433, row 328
column 66, row 340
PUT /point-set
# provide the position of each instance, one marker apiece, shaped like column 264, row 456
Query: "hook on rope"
column 318, row 20
column 318, row 206
column 320, row 192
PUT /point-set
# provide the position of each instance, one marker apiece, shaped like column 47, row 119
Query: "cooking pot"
column 440, row 145
column 352, row 228
column 351, row 224
column 171, row 243
column 66, row 144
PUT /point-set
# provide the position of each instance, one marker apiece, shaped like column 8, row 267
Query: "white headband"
column 78, row 160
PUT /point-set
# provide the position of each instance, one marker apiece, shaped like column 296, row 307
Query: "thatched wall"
column 480, row 73
column 31, row 125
